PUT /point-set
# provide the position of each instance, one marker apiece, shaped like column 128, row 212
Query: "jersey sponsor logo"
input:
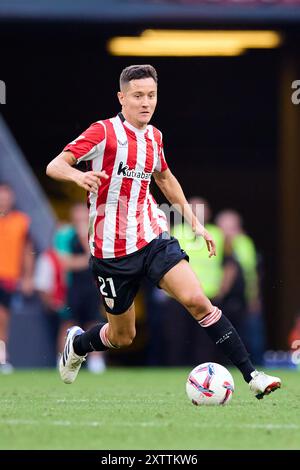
column 109, row 302
column 122, row 144
column 126, row 172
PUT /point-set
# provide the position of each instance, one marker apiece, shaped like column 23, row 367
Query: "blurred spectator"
column 231, row 224
column 294, row 334
column 242, row 252
column 82, row 298
column 231, row 297
column 16, row 263
column 208, row 270
column 51, row 286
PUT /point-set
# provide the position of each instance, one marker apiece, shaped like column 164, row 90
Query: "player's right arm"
column 61, row 169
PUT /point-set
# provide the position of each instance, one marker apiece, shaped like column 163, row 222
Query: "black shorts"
column 119, row 279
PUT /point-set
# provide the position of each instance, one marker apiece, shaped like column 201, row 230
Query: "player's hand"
column 91, row 180
column 201, row 231
column 210, row 243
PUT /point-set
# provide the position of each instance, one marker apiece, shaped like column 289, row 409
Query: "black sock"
column 227, row 339
column 89, row 341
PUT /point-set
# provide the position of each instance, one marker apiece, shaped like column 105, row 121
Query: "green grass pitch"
column 142, row 409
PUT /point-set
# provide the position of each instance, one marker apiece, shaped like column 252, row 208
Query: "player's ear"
column 120, row 97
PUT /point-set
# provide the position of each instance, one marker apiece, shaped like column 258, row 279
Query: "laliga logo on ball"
column 210, row 384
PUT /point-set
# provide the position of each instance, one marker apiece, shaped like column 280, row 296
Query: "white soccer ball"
column 210, row 384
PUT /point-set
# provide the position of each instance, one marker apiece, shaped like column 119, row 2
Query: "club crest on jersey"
column 109, row 302
column 126, row 172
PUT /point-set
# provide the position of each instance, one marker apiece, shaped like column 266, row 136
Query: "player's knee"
column 125, row 342
column 198, row 304
column 122, row 338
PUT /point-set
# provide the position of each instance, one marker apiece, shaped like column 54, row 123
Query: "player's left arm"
column 171, row 188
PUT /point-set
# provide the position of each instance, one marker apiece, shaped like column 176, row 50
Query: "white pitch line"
column 267, row 426
column 100, row 400
column 72, row 400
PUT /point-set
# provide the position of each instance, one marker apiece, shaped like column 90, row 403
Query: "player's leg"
column 118, row 288
column 86, row 308
column 96, row 359
column 181, row 283
column 118, row 332
column 121, row 328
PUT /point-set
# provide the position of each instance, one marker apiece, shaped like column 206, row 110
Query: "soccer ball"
column 210, row 384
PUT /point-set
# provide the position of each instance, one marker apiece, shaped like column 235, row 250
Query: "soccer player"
column 128, row 234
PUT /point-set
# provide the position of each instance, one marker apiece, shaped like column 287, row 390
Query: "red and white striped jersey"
column 123, row 216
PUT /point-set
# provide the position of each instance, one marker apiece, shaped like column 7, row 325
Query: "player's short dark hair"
column 136, row 72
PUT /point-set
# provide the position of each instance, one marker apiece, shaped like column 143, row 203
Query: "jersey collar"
column 131, row 127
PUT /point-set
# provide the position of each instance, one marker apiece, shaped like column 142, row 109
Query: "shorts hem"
column 116, row 313
column 184, row 256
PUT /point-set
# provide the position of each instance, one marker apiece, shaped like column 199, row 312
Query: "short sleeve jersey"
column 123, row 216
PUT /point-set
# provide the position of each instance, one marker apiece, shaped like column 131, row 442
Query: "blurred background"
column 230, row 114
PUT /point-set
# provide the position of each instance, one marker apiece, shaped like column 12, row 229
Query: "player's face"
column 138, row 100
column 230, row 225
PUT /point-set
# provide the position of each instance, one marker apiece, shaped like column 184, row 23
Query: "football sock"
column 225, row 336
column 94, row 339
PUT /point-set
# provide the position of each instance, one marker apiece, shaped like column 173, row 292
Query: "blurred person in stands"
column 128, row 233
column 242, row 294
column 50, row 284
column 294, row 334
column 65, row 282
column 16, row 263
column 209, row 271
column 83, row 300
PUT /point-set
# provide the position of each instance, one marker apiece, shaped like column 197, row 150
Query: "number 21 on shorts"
column 103, row 283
